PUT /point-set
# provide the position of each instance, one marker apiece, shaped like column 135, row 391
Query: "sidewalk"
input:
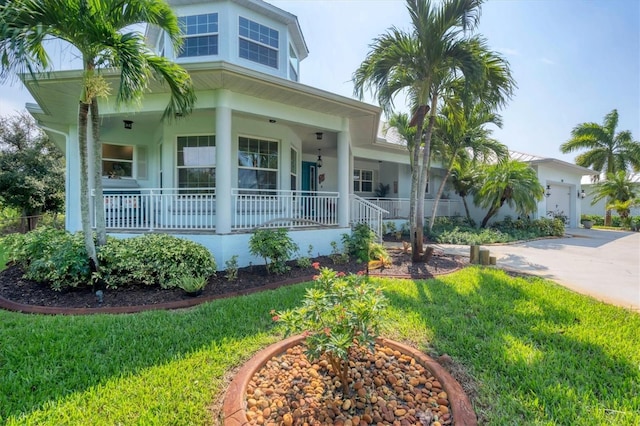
column 601, row 264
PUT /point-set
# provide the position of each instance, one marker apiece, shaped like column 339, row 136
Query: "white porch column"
column 344, row 178
column 223, row 170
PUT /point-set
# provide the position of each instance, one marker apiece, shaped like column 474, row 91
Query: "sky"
column 574, row 61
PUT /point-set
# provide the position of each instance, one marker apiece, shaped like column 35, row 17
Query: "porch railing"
column 160, row 208
column 282, row 208
column 399, row 207
column 363, row 211
column 149, row 209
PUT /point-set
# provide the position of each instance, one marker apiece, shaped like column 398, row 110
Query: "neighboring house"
column 259, row 150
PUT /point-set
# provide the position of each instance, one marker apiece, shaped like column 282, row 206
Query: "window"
column 257, row 163
column 294, row 169
column 362, row 180
column 258, row 43
column 293, row 64
column 196, row 161
column 200, row 35
column 117, row 160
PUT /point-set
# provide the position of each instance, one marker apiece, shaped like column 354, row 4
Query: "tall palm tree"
column 509, row 182
column 99, row 30
column 463, row 138
column 422, row 62
column 607, row 151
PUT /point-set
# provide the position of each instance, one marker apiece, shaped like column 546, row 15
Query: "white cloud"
column 547, row 61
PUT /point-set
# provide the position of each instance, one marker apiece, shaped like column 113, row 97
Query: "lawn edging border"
column 178, row 304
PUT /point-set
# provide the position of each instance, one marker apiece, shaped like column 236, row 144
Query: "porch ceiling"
column 58, row 94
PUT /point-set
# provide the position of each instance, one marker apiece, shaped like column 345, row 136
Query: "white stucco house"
column 261, row 149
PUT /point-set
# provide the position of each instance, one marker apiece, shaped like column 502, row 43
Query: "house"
column 260, row 149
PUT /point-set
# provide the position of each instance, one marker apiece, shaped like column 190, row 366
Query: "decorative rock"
column 287, row 420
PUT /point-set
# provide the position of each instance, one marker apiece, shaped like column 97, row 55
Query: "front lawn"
column 536, row 354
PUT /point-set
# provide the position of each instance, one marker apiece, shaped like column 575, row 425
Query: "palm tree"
column 511, row 182
column 620, row 192
column 607, row 151
column 98, row 29
column 465, row 179
column 462, row 138
column 422, row 63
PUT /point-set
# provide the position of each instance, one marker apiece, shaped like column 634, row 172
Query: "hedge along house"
column 259, row 150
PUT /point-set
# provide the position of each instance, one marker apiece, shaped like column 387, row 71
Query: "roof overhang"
column 583, row 171
column 58, row 94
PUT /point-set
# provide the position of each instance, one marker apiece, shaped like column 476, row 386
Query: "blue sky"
column 573, row 60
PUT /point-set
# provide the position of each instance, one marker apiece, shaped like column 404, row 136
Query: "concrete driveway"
column 602, row 264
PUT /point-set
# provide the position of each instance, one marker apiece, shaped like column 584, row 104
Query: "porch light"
column 319, row 136
column 319, row 160
column 581, row 194
column 128, row 124
column 548, row 191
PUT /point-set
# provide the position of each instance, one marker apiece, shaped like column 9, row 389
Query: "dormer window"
column 200, row 35
column 258, row 43
column 293, row 64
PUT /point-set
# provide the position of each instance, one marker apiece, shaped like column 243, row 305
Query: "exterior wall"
column 228, row 31
column 565, row 185
column 223, row 247
column 600, row 208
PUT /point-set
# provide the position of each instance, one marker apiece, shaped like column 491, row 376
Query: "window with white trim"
column 293, row 64
column 257, row 163
column 258, row 43
column 196, row 161
column 362, row 180
column 294, row 169
column 117, row 161
column 200, row 33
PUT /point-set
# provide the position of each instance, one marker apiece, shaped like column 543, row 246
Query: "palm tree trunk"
column 83, row 112
column 492, row 211
column 466, row 209
column 439, row 194
column 416, row 205
column 97, row 175
column 422, row 188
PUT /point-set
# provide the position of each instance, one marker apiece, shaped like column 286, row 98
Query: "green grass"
column 536, row 353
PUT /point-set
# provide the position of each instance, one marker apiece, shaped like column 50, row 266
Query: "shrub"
column 338, row 256
column 50, row 255
column 153, row 259
column 275, row 246
column 339, row 312
column 304, row 262
column 596, row 219
column 192, row 284
column 357, row 244
column 231, row 273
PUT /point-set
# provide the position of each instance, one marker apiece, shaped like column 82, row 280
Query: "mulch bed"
column 16, row 289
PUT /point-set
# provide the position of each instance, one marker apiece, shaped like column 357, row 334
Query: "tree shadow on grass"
column 46, row 360
column 533, row 356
